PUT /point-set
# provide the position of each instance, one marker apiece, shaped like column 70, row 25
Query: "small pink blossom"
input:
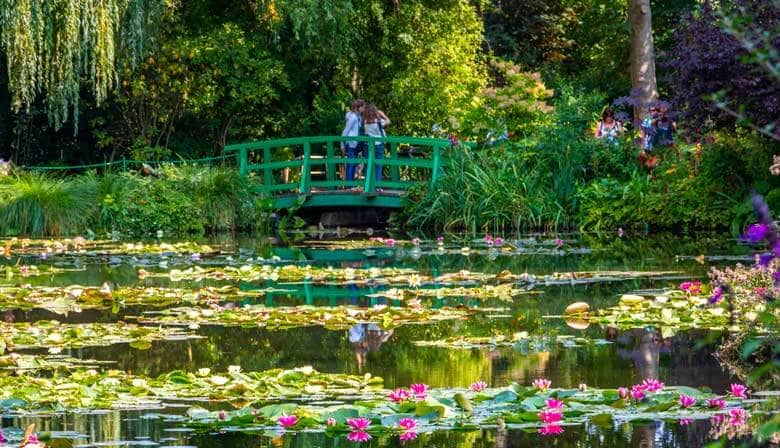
column 552, row 403
column 687, row 401
column 390, row 242
column 542, row 384
column 331, row 421
column 550, row 415
column 691, row 287
column 620, row 232
column 2, row 436
column 499, row 241
column 24, row 269
column 222, row 415
column 288, row 421
column 407, row 436
column 407, row 423
column 551, row 430
column 416, row 241
column 359, row 436
column 623, row 392
column 652, row 385
column 440, row 240
column 399, row 395
column 419, row 390
column 737, row 416
column 478, row 386
column 716, row 403
column 739, row 390
column 558, row 242
column 685, row 421
column 638, row 393
column 359, row 424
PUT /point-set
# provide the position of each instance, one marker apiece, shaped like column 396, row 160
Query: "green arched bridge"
column 307, row 171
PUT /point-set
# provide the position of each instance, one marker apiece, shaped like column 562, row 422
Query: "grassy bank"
column 180, row 200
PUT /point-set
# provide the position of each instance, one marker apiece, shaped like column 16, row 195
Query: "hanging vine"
column 52, row 46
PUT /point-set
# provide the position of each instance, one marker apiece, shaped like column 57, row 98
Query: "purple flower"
column 358, row 436
column 685, row 421
column 756, row 233
column 717, row 295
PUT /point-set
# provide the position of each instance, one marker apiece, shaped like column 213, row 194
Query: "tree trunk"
column 643, row 83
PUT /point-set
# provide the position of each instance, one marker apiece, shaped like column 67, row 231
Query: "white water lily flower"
column 204, row 371
column 91, row 372
column 138, row 382
column 751, row 316
column 234, row 369
column 374, row 272
column 218, row 380
column 349, row 273
column 380, row 307
column 415, row 281
column 306, row 370
column 110, row 382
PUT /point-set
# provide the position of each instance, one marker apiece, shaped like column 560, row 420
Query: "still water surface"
column 614, row 358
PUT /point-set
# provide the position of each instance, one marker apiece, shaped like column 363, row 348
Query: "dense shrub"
column 38, row 204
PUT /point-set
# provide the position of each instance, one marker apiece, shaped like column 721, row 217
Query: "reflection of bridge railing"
column 304, row 170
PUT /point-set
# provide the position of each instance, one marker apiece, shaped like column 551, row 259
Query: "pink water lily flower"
column 542, row 384
column 550, row 415
column 558, row 242
column 551, row 430
column 739, row 390
column 716, row 403
column 2, row 436
column 687, row 401
column 419, row 390
column 223, row 415
column 638, row 393
column 407, row 435
column 416, row 241
column 440, row 240
column 288, row 421
column 737, row 416
column 407, row 423
column 499, row 241
column 390, row 242
column 478, row 386
column 359, row 424
column 331, row 421
column 623, row 392
column 359, row 436
column 685, row 421
column 552, row 403
column 399, row 395
column 652, row 385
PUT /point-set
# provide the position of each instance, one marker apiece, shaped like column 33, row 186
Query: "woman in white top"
column 374, row 123
column 352, row 129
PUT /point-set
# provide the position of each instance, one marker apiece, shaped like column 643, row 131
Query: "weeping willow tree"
column 51, row 46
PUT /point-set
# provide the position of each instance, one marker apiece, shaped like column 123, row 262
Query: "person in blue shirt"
column 352, row 128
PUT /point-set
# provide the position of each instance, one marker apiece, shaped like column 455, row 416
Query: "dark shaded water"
column 622, row 358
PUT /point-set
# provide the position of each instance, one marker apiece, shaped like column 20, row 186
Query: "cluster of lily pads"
column 74, row 298
column 686, row 308
column 407, row 411
column 55, row 336
column 521, row 339
column 83, row 389
column 84, row 246
column 334, row 318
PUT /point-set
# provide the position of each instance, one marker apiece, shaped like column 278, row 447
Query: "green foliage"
column 40, row 204
column 158, row 205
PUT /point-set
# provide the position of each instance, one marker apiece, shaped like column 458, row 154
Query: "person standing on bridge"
column 374, row 123
column 352, row 129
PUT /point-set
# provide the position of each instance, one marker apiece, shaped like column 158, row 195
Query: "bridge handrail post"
column 436, row 166
column 330, row 168
column 305, row 187
column 395, row 175
column 370, row 180
column 242, row 160
column 268, row 175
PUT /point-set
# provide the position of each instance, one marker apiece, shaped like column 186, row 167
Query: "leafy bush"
column 158, row 205
column 39, row 204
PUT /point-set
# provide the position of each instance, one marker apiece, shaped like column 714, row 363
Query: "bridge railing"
column 306, row 164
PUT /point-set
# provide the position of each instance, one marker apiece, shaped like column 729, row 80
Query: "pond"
column 442, row 313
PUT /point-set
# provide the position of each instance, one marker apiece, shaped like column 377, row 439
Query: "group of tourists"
column 657, row 128
column 363, row 119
